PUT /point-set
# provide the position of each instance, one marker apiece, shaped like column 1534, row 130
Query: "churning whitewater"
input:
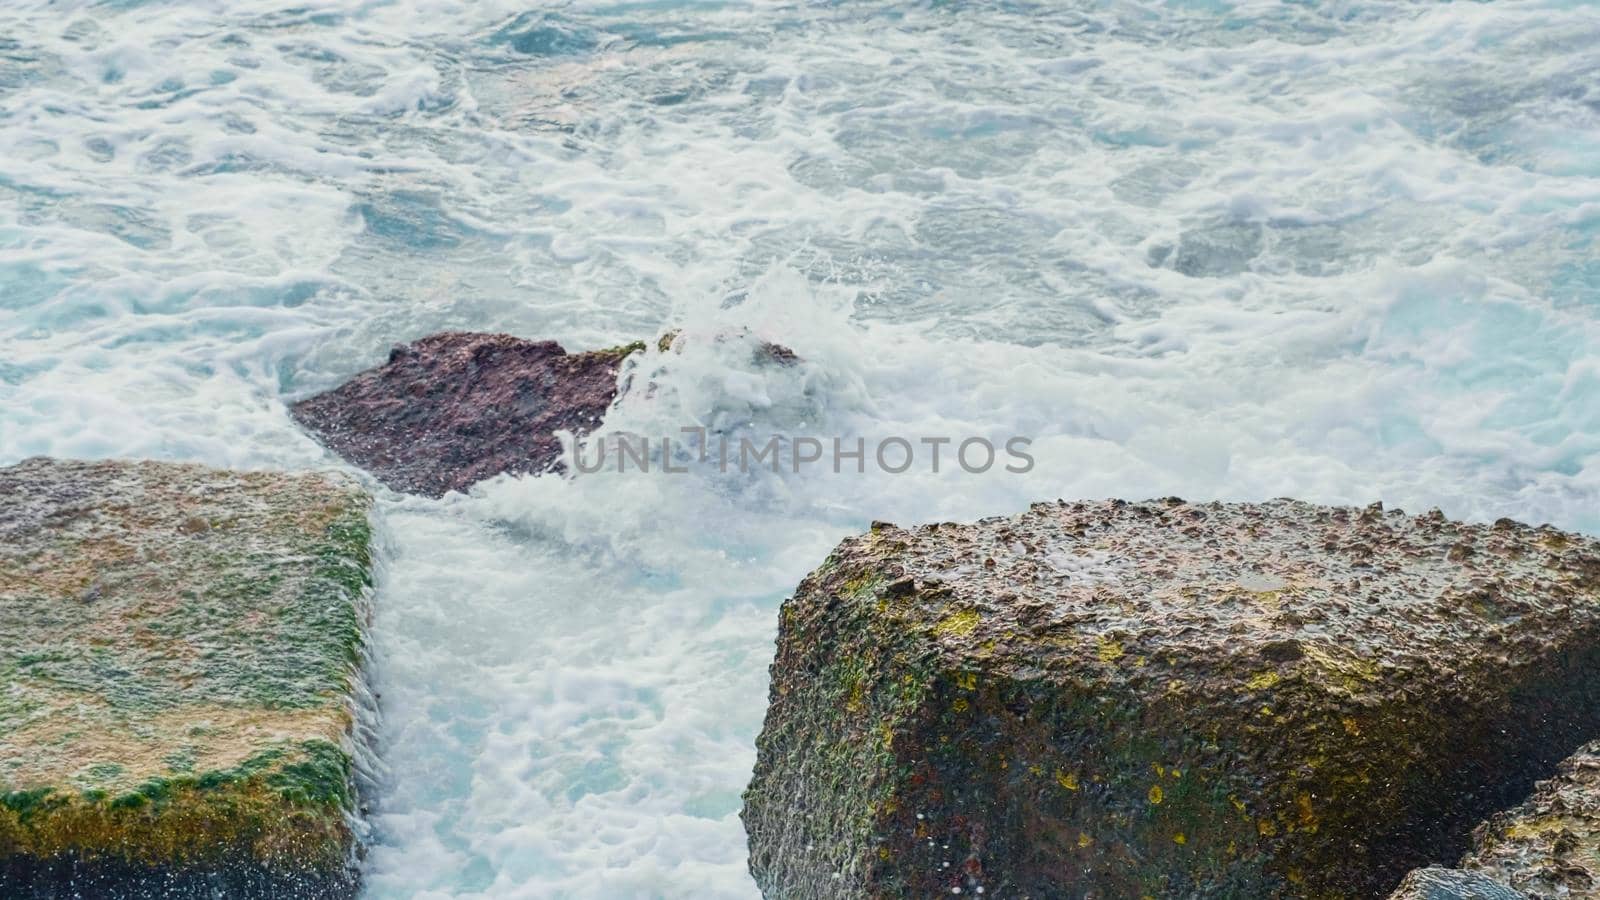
column 1346, row 251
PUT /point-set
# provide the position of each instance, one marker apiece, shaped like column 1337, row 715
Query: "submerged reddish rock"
column 455, row 408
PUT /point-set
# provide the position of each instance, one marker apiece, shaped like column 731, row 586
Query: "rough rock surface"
column 1549, row 846
column 453, row 409
column 179, row 673
column 1452, row 884
column 1166, row 699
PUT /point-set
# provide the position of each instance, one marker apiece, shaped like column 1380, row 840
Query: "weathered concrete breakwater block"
column 1547, row 847
column 450, row 410
column 179, row 680
column 1166, row 699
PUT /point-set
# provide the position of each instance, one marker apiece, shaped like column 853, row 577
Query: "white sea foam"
column 1343, row 251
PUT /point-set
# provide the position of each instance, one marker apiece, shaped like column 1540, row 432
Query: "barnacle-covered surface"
column 1120, row 699
column 179, row 661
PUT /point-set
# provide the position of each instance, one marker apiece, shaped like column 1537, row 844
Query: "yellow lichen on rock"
column 958, row 624
column 1108, row 650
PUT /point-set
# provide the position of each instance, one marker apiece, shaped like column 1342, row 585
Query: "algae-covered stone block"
column 179, row 673
column 1166, row 699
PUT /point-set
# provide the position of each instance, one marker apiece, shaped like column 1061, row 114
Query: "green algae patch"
column 179, row 661
column 619, row 352
column 1165, row 699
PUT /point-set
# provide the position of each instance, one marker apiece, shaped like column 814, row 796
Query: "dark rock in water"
column 1166, row 699
column 453, row 409
column 1452, row 884
column 179, row 681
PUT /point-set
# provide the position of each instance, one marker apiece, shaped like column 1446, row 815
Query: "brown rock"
column 453, row 409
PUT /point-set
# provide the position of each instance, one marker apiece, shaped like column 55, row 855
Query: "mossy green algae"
column 179, row 650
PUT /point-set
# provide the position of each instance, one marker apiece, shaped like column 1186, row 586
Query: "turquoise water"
column 1342, row 251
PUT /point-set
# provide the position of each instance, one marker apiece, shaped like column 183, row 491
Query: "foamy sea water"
column 1344, row 251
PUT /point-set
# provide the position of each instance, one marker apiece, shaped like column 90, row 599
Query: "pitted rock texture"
column 1166, row 699
column 1546, row 848
column 1452, row 884
column 453, row 409
column 179, row 674
column 1549, row 845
